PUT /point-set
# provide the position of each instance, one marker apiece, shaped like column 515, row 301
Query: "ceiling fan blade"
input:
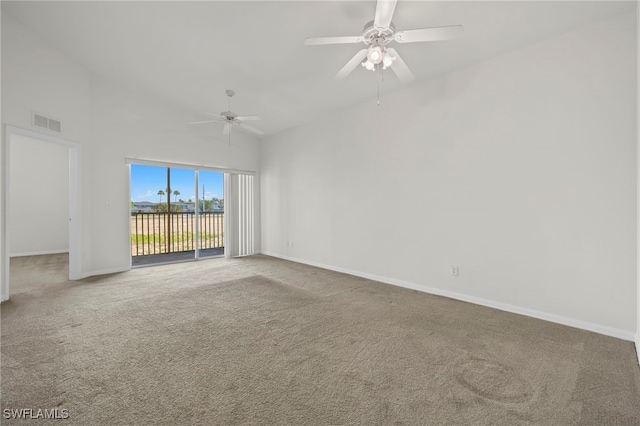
column 218, row 116
column 353, row 62
column 384, row 13
column 201, row 122
column 400, row 68
column 226, row 129
column 429, row 34
column 250, row 128
column 248, row 118
column 314, row 41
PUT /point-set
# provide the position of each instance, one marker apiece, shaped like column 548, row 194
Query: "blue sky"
column 146, row 181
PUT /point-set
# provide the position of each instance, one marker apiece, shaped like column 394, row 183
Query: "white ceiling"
column 190, row 52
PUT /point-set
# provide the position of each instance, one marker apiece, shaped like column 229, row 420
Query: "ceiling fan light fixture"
column 387, row 59
column 375, row 55
column 370, row 66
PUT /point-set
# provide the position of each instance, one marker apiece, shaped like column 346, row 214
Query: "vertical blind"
column 245, row 215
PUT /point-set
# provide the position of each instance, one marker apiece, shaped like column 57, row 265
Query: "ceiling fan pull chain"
column 378, row 81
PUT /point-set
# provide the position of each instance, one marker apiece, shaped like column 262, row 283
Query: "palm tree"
column 161, row 193
column 176, row 193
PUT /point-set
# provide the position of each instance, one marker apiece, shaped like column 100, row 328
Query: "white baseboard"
column 104, row 272
column 638, row 346
column 39, row 253
column 571, row 322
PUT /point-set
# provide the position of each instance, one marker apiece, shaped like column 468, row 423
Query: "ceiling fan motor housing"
column 379, row 36
column 228, row 115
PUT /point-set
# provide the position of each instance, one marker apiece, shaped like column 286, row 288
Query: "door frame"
column 75, row 203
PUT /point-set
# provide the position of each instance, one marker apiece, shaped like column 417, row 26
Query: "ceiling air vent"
column 40, row 121
column 55, row 125
column 44, row 122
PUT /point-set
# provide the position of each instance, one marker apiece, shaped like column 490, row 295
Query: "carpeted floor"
column 36, row 272
column 259, row 340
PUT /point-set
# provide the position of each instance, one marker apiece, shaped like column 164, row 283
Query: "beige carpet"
column 262, row 341
column 34, row 272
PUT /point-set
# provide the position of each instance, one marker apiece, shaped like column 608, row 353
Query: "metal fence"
column 161, row 233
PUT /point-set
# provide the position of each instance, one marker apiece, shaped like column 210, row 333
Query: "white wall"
column 38, row 197
column 4, row 276
column 521, row 170
column 638, row 186
column 111, row 122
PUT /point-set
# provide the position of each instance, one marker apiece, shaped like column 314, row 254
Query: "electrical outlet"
column 455, row 271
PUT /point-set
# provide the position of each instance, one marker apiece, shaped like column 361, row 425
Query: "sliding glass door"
column 171, row 220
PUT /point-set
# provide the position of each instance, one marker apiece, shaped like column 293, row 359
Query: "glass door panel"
column 211, row 209
column 162, row 222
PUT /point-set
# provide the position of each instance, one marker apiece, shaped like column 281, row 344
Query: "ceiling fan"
column 377, row 34
column 230, row 118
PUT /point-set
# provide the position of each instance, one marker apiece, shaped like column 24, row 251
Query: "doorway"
column 41, row 205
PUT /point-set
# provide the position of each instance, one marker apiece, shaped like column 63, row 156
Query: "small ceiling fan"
column 230, row 118
column 377, row 34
